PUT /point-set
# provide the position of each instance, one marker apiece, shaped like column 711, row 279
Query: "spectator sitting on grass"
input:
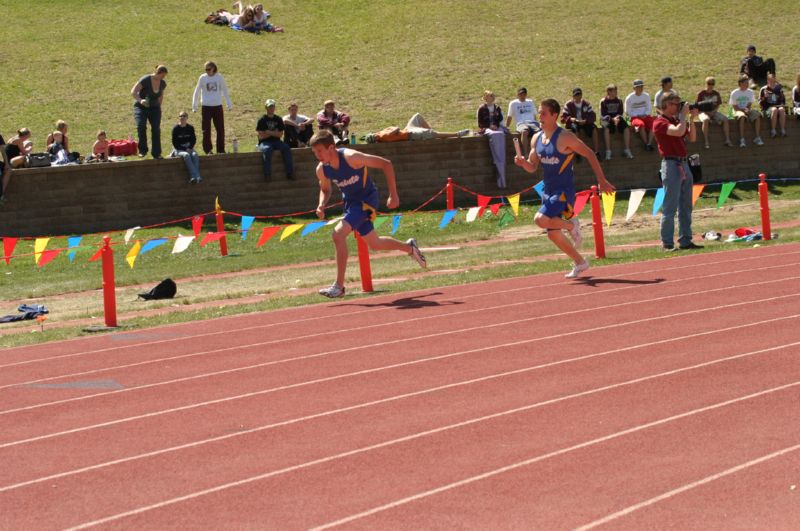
column 578, row 115
column 58, row 155
column 639, row 110
column 755, row 67
column 417, row 128
column 299, row 128
column 613, row 121
column 523, row 111
column 183, row 141
column 337, row 123
column 5, row 168
column 741, row 101
column 796, row 97
column 18, row 148
column 61, row 126
column 100, row 151
column 773, row 104
column 712, row 96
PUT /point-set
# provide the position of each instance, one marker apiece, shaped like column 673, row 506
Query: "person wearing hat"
column 523, row 111
column 338, row 123
column 756, row 67
column 270, row 130
column 666, row 86
column 578, row 115
column 613, row 121
column 639, row 110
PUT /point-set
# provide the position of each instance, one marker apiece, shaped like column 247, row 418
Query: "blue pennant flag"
column 152, row 244
column 73, row 242
column 311, row 227
column 247, row 222
column 658, row 201
column 540, row 189
column 447, row 218
column 395, row 223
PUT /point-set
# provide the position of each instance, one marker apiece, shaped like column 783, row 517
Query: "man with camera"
column 671, row 130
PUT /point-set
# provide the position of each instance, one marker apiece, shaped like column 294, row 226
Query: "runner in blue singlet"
column 555, row 149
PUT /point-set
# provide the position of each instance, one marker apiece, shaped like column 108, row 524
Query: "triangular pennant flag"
column 197, row 225
column 513, row 200
column 380, row 220
column 634, row 201
column 506, row 219
column 247, row 222
column 311, row 227
column 495, row 208
column 133, row 253
column 72, row 243
column 334, row 221
column 47, row 257
column 211, row 237
column 395, row 223
column 266, row 234
column 483, row 202
column 608, row 205
column 580, row 201
column 39, row 245
column 447, row 218
column 472, row 214
column 96, row 256
column 8, row 249
column 727, row 188
column 697, row 189
column 182, row 243
column 129, row 234
column 291, row 229
column 540, row 189
column 217, row 207
column 658, row 201
column 152, row 244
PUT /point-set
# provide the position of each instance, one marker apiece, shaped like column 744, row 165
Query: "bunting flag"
column 217, row 208
column 495, row 208
column 266, row 234
column 540, row 189
column 96, row 256
column 658, row 201
column 727, row 188
column 472, row 214
column 290, row 229
column 608, row 206
column 152, row 244
column 697, row 189
column 72, row 244
column 634, row 201
column 380, row 220
column 129, row 234
column 312, row 227
column 395, row 223
column 334, row 221
column 47, row 257
column 197, row 225
column 580, row 201
column 39, row 245
column 447, row 218
column 8, row 248
column 506, row 219
column 182, row 243
column 247, row 222
column 513, row 200
column 133, row 253
column 483, row 202
column 211, row 237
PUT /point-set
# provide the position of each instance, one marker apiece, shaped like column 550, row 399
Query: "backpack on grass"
column 165, row 289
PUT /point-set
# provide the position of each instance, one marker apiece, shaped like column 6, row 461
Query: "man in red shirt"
column 671, row 130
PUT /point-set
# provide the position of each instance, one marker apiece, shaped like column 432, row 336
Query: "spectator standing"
column 523, row 111
column 796, row 97
column 666, row 86
column 711, row 97
column 183, row 141
column 298, row 128
column 338, row 123
column 639, row 110
column 614, row 122
column 210, row 90
column 741, row 101
column 755, row 67
column 490, row 123
column 578, row 115
column 5, row 169
column 149, row 94
column 270, row 130
column 773, row 104
column 672, row 128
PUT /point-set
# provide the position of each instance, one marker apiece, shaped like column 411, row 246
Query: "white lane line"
column 403, row 396
column 385, row 324
column 481, row 327
column 688, row 486
column 229, row 331
column 456, row 484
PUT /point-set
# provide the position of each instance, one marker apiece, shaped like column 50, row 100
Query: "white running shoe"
column 742, row 142
column 577, row 269
column 333, row 292
column 416, row 254
column 757, row 141
column 575, row 232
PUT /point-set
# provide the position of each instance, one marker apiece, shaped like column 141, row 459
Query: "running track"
column 662, row 394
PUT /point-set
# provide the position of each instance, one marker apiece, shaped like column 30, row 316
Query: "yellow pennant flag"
column 291, row 229
column 513, row 200
column 38, row 248
column 608, row 205
column 133, row 253
column 217, row 208
column 697, row 189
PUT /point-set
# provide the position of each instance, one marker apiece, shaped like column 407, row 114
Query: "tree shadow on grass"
column 406, row 303
column 594, row 282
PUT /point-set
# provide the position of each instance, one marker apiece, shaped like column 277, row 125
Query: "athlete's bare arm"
column 324, row 192
column 532, row 162
column 356, row 159
column 569, row 143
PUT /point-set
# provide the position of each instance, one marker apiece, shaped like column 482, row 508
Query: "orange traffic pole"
column 449, row 188
column 597, row 224
column 363, row 263
column 763, row 194
column 109, row 293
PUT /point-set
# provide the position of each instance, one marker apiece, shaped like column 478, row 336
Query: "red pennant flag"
column 483, row 202
column 8, row 248
column 96, row 256
column 197, row 225
column 266, row 234
column 495, row 208
column 47, row 256
column 580, row 201
column 212, row 237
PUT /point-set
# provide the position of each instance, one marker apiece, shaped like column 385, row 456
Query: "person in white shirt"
column 210, row 90
column 666, row 86
column 299, row 128
column 523, row 112
column 639, row 110
column 741, row 101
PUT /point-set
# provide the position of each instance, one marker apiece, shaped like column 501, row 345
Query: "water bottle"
column 235, row 143
column 352, row 138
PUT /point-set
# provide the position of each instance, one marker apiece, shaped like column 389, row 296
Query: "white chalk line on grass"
column 413, row 394
column 687, row 487
column 465, row 481
column 368, row 310
column 404, row 340
column 380, row 325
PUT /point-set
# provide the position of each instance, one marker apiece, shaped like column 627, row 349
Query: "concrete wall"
column 116, row 196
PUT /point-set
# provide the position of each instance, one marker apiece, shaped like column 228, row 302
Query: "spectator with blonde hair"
column 490, row 123
column 773, row 104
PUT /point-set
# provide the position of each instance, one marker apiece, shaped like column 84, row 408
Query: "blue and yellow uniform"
column 559, row 180
column 358, row 191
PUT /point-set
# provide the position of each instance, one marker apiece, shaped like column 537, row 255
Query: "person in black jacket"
column 183, row 141
column 756, row 67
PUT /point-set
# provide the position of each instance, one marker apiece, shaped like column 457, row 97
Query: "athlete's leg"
column 385, row 243
column 554, row 227
column 340, row 234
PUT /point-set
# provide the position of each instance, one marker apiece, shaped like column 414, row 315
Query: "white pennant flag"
column 334, row 221
column 633, row 202
column 472, row 214
column 129, row 234
column 182, row 243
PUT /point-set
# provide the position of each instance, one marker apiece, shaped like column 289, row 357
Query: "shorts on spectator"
column 752, row 115
column 642, row 121
column 531, row 127
column 716, row 117
column 588, row 129
column 768, row 113
column 796, row 112
column 420, row 133
column 615, row 128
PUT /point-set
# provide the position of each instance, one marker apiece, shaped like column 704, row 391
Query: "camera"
column 701, row 106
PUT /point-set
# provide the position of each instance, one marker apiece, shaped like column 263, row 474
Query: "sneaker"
column 577, row 269
column 575, row 232
column 742, row 142
column 757, row 141
column 773, row 133
column 648, row 147
column 691, row 245
column 463, row 132
column 784, row 133
column 335, row 291
column 198, row 180
column 416, row 254
column 708, row 147
column 668, row 248
column 608, row 154
column 728, row 143
column 193, row 180
column 628, row 154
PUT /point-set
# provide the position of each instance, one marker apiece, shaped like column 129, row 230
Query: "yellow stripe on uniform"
column 372, row 212
column 566, row 162
column 364, row 184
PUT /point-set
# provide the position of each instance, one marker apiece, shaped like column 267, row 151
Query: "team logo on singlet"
column 550, row 160
column 347, row 182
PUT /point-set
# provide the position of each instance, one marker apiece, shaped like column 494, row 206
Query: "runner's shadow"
column 406, row 303
column 594, row 282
